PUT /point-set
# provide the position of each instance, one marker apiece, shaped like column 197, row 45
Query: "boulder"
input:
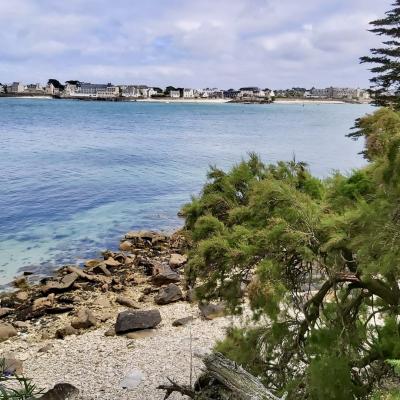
column 126, row 301
column 134, row 320
column 61, row 391
column 211, row 311
column 177, row 260
column 5, row 311
column 60, row 286
column 66, row 331
column 7, row 331
column 126, row 245
column 168, row 294
column 84, row 319
column 164, row 275
column 182, row 321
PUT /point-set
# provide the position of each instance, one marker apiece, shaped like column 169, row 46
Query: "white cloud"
column 189, row 42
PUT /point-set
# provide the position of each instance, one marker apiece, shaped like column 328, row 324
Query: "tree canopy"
column 316, row 261
column 386, row 81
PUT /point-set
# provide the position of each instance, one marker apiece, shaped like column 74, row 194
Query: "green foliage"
column 329, row 379
column 318, row 263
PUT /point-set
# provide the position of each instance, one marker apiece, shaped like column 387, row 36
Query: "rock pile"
column 147, row 261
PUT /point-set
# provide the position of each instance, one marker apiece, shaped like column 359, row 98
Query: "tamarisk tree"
column 317, row 262
column 387, row 59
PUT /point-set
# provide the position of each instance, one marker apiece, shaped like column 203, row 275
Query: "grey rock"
column 164, row 275
column 211, row 311
column 182, row 321
column 133, row 320
column 168, row 294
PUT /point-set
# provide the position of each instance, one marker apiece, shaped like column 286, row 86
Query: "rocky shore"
column 117, row 328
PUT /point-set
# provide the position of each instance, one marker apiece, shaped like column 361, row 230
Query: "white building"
column 34, row 88
column 16, row 87
column 175, row 94
column 92, row 90
column 188, row 93
column 131, row 91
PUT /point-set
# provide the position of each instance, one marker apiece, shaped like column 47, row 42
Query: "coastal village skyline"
column 78, row 89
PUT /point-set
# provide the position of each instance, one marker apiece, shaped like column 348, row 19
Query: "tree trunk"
column 242, row 384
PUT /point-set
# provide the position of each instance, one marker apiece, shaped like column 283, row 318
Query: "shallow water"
column 75, row 176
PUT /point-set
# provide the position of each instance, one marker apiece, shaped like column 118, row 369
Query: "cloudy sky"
column 198, row 43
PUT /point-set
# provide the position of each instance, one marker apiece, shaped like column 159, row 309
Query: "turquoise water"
column 76, row 175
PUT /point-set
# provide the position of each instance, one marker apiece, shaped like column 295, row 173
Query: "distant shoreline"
column 293, row 101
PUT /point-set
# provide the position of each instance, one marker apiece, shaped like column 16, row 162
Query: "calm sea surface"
column 75, row 176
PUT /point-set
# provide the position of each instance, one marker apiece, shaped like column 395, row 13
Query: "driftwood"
column 227, row 380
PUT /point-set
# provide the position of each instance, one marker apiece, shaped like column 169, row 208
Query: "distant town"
column 108, row 91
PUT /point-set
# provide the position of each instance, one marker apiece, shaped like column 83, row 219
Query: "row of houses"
column 325, row 93
column 76, row 89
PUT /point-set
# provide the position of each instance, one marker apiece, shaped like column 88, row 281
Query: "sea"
column 76, row 175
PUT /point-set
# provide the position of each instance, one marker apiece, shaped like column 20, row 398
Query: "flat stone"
column 92, row 263
column 211, row 311
column 182, row 321
column 84, row 319
column 126, row 301
column 20, row 325
column 134, row 320
column 7, row 331
column 132, row 379
column 140, row 334
column 177, row 260
column 61, row 391
column 64, row 284
column 5, row 311
column 168, row 294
